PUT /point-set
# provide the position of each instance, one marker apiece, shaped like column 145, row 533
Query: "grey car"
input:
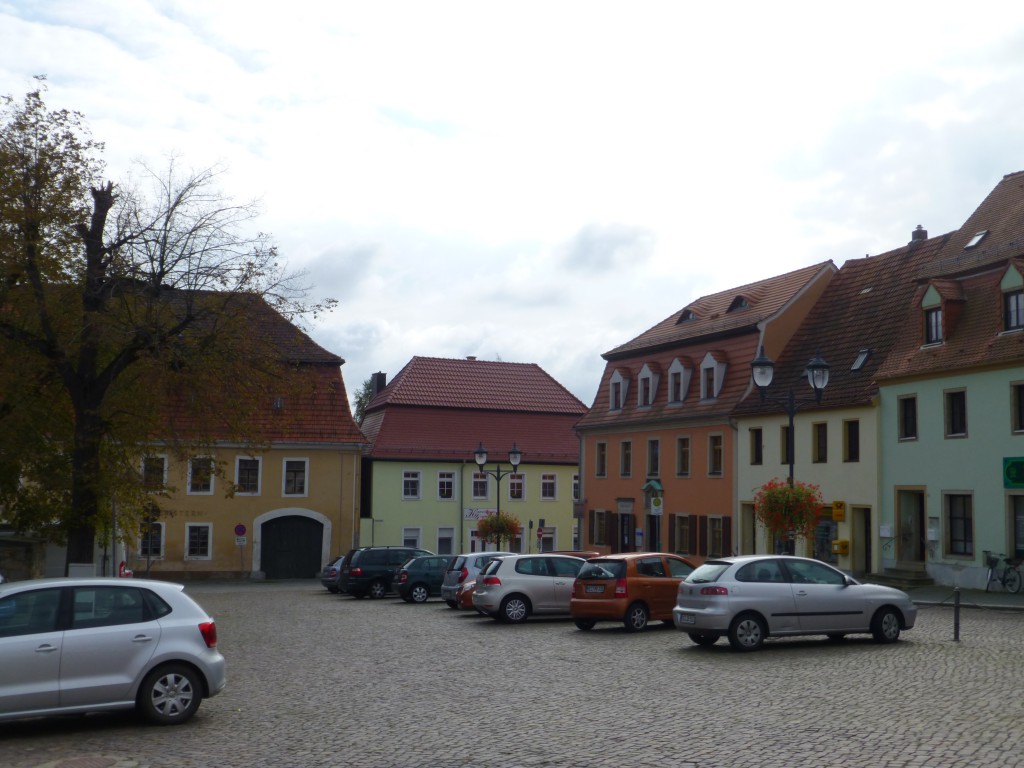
column 748, row 599
column 516, row 587
column 462, row 570
column 92, row 645
column 330, row 576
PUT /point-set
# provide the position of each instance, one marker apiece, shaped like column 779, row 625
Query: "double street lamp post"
column 763, row 371
column 514, row 457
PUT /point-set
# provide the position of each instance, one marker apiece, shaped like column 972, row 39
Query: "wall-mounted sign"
column 839, row 511
column 1013, row 472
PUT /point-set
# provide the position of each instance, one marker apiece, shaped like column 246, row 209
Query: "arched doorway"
column 291, row 547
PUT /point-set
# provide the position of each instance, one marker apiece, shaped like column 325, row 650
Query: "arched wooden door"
column 291, row 547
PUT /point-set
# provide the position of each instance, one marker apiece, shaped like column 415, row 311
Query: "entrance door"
column 291, row 547
column 910, row 541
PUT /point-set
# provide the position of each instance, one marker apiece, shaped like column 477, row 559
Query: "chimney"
column 918, row 234
column 379, row 381
column 471, row 357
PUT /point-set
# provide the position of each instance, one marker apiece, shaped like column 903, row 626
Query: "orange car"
column 632, row 587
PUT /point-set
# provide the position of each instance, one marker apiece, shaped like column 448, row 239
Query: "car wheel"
column 704, row 638
column 333, row 590
column 636, row 618
column 452, row 604
column 515, row 609
column 747, row 632
column 378, row 589
column 170, row 695
column 885, row 626
column 419, row 593
column 585, row 624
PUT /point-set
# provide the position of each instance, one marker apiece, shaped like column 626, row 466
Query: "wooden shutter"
column 702, row 538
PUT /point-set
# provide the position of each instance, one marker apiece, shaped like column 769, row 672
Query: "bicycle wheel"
column 1012, row 580
column 989, row 579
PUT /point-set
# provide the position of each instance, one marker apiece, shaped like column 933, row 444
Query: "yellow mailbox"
column 840, row 547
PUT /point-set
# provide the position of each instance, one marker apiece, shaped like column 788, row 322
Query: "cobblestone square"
column 321, row 680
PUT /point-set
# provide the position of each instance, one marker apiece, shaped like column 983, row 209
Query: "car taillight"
column 714, row 591
column 463, row 574
column 492, row 581
column 403, row 577
column 620, row 587
column 332, row 573
column 357, row 571
column 208, row 629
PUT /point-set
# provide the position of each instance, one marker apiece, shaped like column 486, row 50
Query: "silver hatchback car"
column 514, row 588
column 748, row 599
column 91, row 645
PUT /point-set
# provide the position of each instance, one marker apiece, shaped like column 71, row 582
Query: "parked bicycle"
column 1008, row 576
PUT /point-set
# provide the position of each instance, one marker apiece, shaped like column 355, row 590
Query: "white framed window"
column 618, row 390
column 682, row 457
column 1017, row 407
column 198, row 538
column 445, row 541
column 626, row 458
column 248, row 474
column 200, row 476
column 154, row 472
column 411, row 537
column 956, row 413
column 296, row 477
column 481, row 485
column 517, row 486
column 653, row 458
column 410, row 484
column 679, row 376
column 712, row 376
column 575, row 486
column 716, row 456
column 548, row 486
column 446, row 486
column 151, row 541
column 601, row 460
column 648, row 386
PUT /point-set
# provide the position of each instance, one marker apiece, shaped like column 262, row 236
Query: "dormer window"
column 618, row 387
column 687, row 315
column 648, row 386
column 679, row 375
column 712, row 375
column 933, row 325
column 974, row 241
column 1012, row 286
column 740, row 302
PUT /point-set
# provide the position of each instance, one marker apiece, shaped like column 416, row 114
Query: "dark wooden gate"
column 291, row 547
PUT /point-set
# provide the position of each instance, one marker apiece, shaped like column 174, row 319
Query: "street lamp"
column 762, row 371
column 514, row 457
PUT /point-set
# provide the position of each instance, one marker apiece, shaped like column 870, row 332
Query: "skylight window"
column 862, row 357
column 978, row 237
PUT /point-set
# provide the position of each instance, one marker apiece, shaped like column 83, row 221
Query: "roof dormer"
column 618, row 389
column 686, row 316
column 941, row 306
column 739, row 303
column 712, row 375
column 1012, row 289
column 647, row 385
column 679, row 375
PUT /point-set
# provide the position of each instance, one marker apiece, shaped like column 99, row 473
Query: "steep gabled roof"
column 711, row 315
column 852, row 318
column 441, row 409
column 477, row 384
column 970, row 277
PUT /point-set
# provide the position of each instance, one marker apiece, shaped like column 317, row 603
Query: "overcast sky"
column 542, row 181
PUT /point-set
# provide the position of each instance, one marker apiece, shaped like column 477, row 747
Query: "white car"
column 515, row 587
column 97, row 644
column 750, row 598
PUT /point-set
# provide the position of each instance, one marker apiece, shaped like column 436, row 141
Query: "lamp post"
column 763, row 371
column 514, row 457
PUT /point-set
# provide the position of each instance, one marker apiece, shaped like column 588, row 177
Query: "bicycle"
column 1009, row 577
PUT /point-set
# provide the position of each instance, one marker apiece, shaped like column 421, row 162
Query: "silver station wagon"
column 748, row 599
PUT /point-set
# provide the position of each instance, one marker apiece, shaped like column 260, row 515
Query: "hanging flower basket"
column 782, row 508
column 498, row 527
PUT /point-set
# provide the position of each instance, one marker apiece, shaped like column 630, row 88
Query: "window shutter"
column 672, row 533
column 727, row 536
column 702, row 540
column 591, row 515
column 693, row 534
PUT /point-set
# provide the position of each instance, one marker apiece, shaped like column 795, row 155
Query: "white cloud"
column 542, row 182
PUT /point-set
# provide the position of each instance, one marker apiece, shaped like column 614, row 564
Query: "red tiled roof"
column 970, row 279
column 854, row 313
column 477, row 384
column 712, row 315
column 442, row 409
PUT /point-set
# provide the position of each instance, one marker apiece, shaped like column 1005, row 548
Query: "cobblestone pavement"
column 321, row 680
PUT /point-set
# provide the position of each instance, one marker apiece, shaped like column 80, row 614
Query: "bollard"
column 956, row 614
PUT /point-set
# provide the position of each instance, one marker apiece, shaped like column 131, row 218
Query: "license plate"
column 686, row 618
column 595, row 588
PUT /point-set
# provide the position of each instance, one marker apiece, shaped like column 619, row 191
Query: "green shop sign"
column 1013, row 472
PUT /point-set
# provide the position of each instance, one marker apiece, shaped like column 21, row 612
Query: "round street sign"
column 239, row 530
